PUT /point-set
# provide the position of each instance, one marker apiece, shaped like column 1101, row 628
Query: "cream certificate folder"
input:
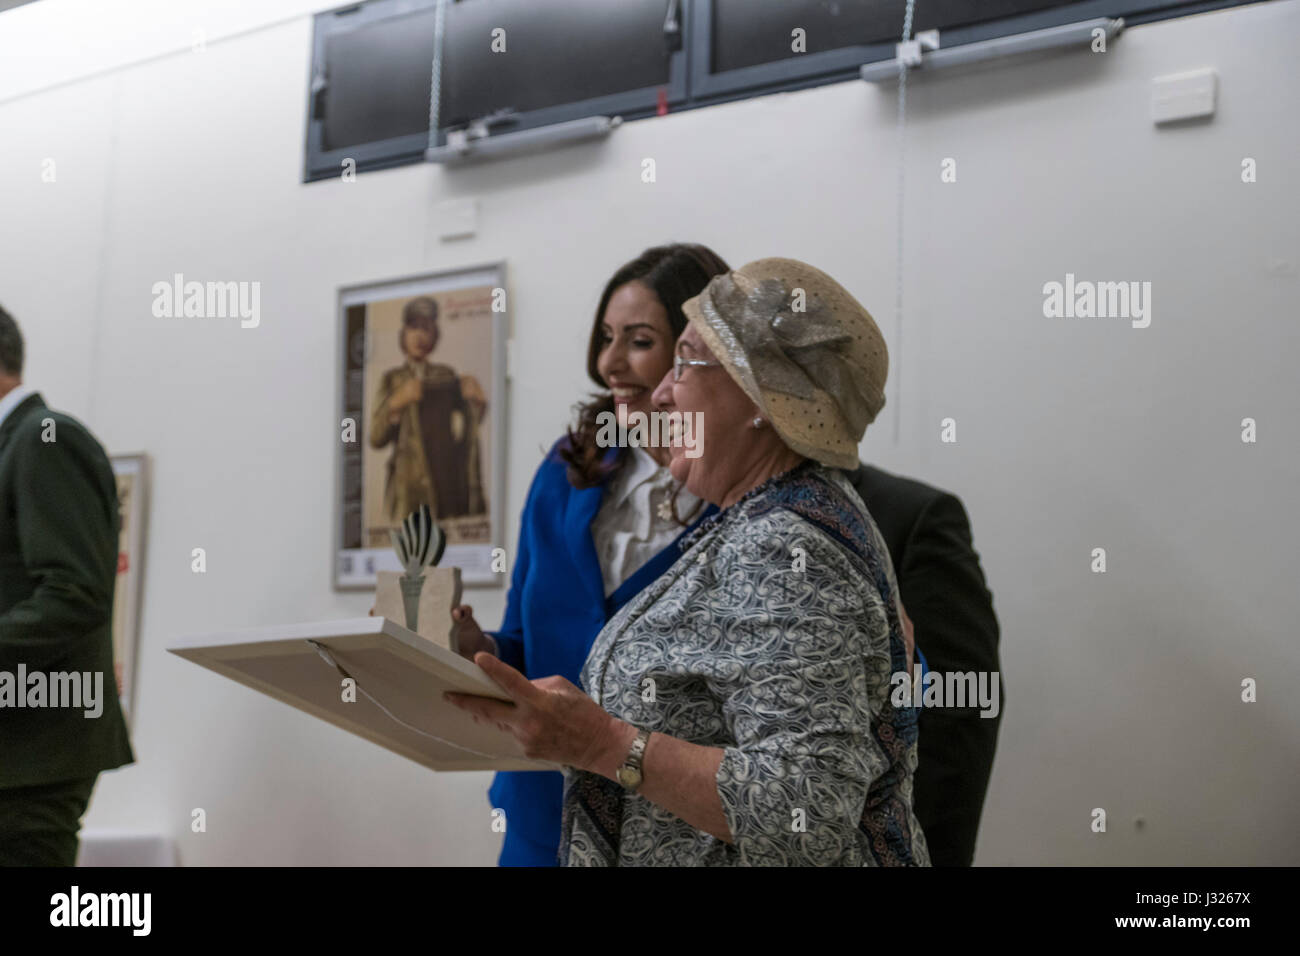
column 399, row 681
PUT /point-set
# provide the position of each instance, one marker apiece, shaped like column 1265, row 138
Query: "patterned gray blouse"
column 773, row 637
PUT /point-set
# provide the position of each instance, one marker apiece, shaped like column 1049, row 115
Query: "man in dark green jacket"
column 60, row 720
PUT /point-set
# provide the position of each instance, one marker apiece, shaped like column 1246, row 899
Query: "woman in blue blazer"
column 559, row 596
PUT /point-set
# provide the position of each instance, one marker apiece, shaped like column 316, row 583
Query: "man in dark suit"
column 943, row 590
column 59, row 526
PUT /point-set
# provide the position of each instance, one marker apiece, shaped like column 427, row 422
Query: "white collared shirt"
column 629, row 529
column 12, row 401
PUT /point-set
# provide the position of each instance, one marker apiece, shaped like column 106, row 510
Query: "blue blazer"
column 554, row 611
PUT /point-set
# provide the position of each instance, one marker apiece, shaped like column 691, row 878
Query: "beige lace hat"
column 802, row 348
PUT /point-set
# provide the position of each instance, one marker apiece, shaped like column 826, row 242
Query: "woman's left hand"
column 552, row 719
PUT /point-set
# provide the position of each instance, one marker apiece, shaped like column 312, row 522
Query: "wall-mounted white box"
column 1180, row 96
column 457, row 218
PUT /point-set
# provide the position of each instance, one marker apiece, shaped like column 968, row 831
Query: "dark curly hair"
column 674, row 273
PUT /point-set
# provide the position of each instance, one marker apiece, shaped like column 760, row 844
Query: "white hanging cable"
column 435, row 75
column 329, row 659
column 897, row 363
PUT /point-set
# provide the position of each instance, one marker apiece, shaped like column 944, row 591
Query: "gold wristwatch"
column 629, row 775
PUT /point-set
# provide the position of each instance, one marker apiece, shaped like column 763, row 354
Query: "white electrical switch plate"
column 457, row 218
column 1180, row 96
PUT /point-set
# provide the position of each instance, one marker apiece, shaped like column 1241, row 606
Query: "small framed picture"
column 421, row 420
column 131, row 473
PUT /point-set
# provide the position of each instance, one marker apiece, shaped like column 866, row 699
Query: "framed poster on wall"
column 421, row 419
column 131, row 473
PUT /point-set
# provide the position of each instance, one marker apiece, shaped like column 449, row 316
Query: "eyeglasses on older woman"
column 680, row 361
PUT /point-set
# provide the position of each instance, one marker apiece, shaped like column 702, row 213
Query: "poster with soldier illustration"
column 423, row 388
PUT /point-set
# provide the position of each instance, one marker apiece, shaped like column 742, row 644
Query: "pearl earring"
column 758, row 422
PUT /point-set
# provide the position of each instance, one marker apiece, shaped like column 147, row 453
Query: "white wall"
column 1072, row 434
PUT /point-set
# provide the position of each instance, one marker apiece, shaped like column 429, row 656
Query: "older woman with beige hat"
column 739, row 707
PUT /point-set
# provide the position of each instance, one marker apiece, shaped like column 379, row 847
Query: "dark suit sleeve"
column 943, row 589
column 68, row 537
